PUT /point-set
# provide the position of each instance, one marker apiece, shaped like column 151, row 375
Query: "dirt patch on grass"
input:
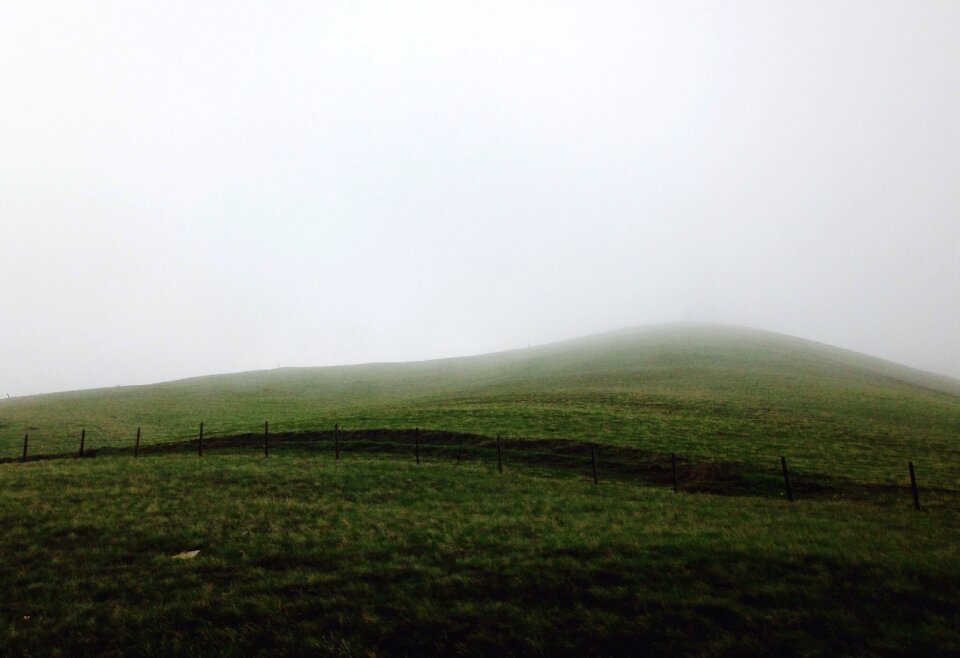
column 710, row 477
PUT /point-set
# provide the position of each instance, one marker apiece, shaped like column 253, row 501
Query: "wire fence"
column 789, row 478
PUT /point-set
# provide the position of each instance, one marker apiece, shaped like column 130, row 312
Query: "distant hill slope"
column 719, row 391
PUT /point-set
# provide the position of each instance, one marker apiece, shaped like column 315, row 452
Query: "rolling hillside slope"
column 709, row 391
column 379, row 553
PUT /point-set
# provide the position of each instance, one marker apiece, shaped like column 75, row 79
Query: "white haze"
column 197, row 187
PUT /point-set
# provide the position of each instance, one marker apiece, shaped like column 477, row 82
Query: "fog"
column 193, row 188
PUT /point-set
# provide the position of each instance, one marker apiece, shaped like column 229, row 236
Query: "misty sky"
column 197, row 187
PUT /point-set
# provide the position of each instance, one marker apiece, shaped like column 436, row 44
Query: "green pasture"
column 303, row 554
column 374, row 554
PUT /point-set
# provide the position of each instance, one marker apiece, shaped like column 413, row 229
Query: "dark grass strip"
column 568, row 456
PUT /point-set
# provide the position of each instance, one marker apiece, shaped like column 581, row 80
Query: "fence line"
column 578, row 454
column 870, row 467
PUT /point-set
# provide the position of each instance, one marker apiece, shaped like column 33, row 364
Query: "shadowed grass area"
column 375, row 554
column 552, row 457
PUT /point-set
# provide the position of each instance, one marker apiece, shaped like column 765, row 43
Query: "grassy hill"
column 705, row 391
column 375, row 554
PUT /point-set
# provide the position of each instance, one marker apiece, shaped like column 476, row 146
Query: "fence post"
column 416, row 437
column 266, row 438
column 499, row 456
column 200, row 441
column 83, row 437
column 460, row 450
column 786, row 478
column 25, row 438
column 336, row 439
column 593, row 461
column 673, row 461
column 136, row 446
column 913, row 485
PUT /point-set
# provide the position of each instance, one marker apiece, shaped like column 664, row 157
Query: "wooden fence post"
column 336, row 439
column 266, row 438
column 25, row 438
column 83, row 437
column 136, row 446
column 200, row 441
column 593, row 461
column 499, row 456
column 913, row 485
column 786, row 478
column 673, row 461
column 416, row 438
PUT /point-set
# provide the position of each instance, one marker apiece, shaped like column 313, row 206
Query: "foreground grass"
column 302, row 554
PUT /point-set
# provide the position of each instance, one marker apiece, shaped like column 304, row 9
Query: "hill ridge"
column 943, row 383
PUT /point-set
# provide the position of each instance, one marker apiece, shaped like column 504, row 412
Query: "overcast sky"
column 189, row 188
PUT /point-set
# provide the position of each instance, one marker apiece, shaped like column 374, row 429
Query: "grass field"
column 375, row 554
column 300, row 553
